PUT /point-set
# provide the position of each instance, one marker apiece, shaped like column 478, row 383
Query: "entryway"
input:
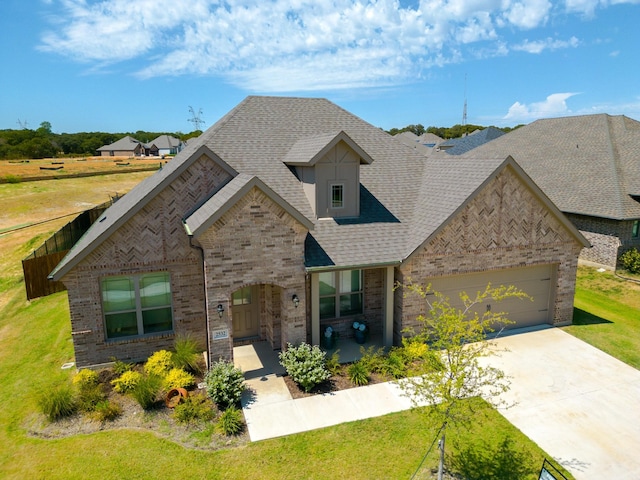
column 245, row 313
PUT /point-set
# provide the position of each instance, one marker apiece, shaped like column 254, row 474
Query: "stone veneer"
column 504, row 226
column 152, row 240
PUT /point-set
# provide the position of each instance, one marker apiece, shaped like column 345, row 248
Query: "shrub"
column 127, row 381
column 333, row 363
column 630, row 260
column 395, row 364
column 231, row 422
column 414, row 350
column 187, row 354
column 119, row 367
column 177, row 378
column 57, row 403
column 372, row 359
column 225, row 383
column 146, row 391
column 85, row 378
column 358, row 373
column 89, row 396
column 12, row 178
column 305, row 364
column 106, row 411
column 194, row 408
column 159, row 363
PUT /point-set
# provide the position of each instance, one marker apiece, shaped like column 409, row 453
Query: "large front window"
column 137, row 305
column 340, row 294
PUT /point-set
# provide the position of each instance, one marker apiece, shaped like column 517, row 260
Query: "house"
column 589, row 166
column 460, row 145
column 167, row 145
column 312, row 223
column 125, row 147
column 422, row 144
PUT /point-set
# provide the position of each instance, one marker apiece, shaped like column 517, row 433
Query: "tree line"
column 43, row 143
column 445, row 132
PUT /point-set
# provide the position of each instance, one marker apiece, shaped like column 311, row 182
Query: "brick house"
column 589, row 166
column 309, row 221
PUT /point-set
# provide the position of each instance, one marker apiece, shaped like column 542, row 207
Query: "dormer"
column 328, row 166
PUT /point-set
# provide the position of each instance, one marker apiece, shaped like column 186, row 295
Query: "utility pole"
column 23, row 125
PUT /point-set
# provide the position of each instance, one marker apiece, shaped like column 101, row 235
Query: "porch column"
column 315, row 309
column 387, row 330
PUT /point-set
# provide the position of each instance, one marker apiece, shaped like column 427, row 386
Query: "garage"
column 536, row 281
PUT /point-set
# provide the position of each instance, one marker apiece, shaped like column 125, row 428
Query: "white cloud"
column 555, row 105
column 293, row 45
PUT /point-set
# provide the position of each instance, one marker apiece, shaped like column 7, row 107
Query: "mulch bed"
column 334, row 384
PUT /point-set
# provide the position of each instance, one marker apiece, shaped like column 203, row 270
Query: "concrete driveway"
column 579, row 404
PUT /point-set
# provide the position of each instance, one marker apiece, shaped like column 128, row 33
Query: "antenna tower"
column 464, row 110
column 23, row 125
column 196, row 119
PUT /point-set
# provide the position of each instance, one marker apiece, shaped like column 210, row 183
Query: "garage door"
column 535, row 281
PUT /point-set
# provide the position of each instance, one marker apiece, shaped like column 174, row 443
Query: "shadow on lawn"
column 482, row 461
column 580, row 317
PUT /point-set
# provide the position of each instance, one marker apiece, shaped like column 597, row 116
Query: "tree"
column 457, row 338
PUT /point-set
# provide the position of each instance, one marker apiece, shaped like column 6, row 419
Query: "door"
column 535, row 281
column 245, row 312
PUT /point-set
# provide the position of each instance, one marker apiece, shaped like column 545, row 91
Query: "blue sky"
column 128, row 65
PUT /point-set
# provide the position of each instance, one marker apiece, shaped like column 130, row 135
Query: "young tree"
column 458, row 339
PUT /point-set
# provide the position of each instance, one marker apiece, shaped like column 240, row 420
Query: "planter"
column 328, row 342
column 360, row 336
column 175, row 396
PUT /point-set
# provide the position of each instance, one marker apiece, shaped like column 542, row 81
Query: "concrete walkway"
column 577, row 403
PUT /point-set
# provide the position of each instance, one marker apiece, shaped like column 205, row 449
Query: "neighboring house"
column 125, row 147
column 589, row 166
column 167, row 145
column 422, row 144
column 314, row 222
column 460, row 145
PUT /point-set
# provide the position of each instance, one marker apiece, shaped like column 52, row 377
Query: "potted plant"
column 329, row 338
column 361, row 330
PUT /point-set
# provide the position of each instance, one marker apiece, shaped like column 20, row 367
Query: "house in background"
column 167, row 145
column 312, row 223
column 589, row 166
column 460, row 145
column 423, row 144
column 125, row 147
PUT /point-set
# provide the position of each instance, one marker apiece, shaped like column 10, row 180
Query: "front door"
column 245, row 312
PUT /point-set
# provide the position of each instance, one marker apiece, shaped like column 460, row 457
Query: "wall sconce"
column 220, row 309
column 295, row 300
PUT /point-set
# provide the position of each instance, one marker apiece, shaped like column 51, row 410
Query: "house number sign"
column 220, row 334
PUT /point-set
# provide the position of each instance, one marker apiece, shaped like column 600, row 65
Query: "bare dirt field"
column 25, row 170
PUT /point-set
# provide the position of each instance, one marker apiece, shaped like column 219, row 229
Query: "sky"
column 129, row 65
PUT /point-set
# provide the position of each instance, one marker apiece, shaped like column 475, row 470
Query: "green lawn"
column 607, row 314
column 35, row 340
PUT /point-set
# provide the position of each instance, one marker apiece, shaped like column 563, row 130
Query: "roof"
column 124, row 144
column 404, row 197
column 460, row 145
column 423, row 144
column 165, row 142
column 587, row 165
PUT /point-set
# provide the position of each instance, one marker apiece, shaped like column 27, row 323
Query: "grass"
column 607, row 314
column 35, row 340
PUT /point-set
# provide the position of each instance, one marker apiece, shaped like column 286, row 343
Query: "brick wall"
column 152, row 240
column 504, row 226
column 256, row 242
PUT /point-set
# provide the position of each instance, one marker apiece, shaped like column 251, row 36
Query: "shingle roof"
column 588, row 165
column 458, row 146
column 404, row 197
column 165, row 141
column 124, row 144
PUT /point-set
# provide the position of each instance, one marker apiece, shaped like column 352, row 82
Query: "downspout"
column 204, row 284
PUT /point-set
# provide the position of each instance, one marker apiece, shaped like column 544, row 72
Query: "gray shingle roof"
column 404, row 197
column 458, row 146
column 165, row 142
column 588, row 165
column 124, row 144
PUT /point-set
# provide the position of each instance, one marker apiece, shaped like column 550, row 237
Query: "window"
column 241, row 297
column 341, row 294
column 137, row 305
column 634, row 231
column 337, row 195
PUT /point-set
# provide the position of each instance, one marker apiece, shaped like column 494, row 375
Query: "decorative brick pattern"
column 504, row 226
column 152, row 240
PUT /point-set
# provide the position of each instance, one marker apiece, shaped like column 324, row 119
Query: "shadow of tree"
column 581, row 317
column 485, row 461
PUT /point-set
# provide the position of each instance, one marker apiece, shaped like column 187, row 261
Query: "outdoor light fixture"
column 295, row 300
column 220, row 310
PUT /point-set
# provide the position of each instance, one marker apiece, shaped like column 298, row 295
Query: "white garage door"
column 535, row 281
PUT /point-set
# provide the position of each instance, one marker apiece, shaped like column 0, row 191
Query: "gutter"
column 359, row 266
column 204, row 285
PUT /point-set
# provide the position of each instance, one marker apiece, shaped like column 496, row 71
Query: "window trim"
column 332, row 185
column 138, row 309
column 338, row 293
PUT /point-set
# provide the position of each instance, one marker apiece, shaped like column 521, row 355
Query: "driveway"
column 577, row 403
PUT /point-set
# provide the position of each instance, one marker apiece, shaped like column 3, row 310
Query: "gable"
column 505, row 213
